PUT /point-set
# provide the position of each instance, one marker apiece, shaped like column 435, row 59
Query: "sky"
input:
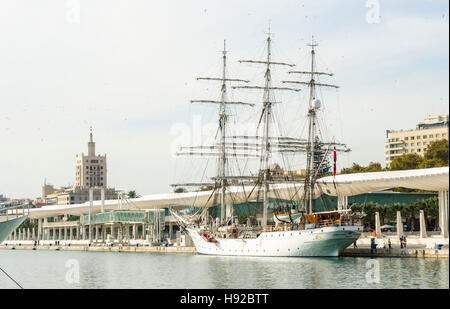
column 128, row 68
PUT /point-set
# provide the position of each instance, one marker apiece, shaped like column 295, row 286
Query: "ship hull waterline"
column 318, row 242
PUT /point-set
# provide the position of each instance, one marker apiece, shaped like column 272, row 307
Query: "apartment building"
column 401, row 142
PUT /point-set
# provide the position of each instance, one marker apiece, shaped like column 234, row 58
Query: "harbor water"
column 89, row 270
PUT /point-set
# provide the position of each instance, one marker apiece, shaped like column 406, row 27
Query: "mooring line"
column 11, row 278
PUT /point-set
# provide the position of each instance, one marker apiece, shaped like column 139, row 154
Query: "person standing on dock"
column 401, row 242
column 404, row 242
column 354, row 245
column 389, row 243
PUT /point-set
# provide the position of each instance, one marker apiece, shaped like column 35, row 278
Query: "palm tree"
column 132, row 194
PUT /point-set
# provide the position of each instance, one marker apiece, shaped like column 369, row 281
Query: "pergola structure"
column 342, row 186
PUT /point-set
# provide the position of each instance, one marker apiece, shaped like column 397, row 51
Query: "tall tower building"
column 91, row 169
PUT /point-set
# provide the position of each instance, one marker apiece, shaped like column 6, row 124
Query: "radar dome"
column 317, row 104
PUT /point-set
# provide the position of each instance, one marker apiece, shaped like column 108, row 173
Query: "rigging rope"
column 12, row 279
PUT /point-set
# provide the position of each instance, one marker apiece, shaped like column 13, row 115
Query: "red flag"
column 334, row 161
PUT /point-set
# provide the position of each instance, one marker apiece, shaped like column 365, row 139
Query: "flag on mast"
column 334, row 160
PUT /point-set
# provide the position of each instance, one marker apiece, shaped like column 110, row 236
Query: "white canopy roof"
column 433, row 179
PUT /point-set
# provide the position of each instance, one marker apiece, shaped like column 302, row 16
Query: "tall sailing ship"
column 299, row 230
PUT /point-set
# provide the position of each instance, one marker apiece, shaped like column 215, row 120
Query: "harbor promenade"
column 413, row 250
column 84, row 246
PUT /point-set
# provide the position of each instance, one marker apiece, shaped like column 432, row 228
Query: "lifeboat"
column 206, row 237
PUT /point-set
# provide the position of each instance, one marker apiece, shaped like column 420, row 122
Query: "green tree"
column 356, row 168
column 133, row 194
column 437, row 154
column 179, row 190
column 406, row 162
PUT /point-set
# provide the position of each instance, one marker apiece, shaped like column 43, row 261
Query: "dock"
column 415, row 252
column 395, row 253
column 101, row 248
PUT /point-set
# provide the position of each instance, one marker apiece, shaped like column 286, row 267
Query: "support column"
column 171, row 229
column 39, row 231
column 399, row 224
column 60, row 234
column 91, row 206
column 70, row 233
column 119, row 233
column 377, row 224
column 54, row 234
column 103, row 199
column 96, row 233
column 103, row 233
column 443, row 213
column 423, row 227
column 134, row 231
column 127, row 232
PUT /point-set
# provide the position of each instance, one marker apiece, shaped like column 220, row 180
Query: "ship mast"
column 265, row 117
column 221, row 179
column 314, row 106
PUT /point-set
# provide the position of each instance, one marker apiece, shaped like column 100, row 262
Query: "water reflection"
column 44, row 269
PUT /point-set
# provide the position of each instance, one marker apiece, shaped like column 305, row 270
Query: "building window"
column 406, row 144
column 412, row 138
column 431, row 136
column 424, row 143
column 424, row 149
column 437, row 135
column 418, row 137
column 419, row 150
column 412, row 144
column 412, row 150
column 406, row 151
column 424, row 136
column 444, row 134
column 406, row 138
column 419, row 143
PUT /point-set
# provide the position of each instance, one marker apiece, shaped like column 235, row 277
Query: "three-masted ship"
column 299, row 229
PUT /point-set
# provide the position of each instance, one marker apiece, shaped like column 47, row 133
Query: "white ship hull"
column 326, row 241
